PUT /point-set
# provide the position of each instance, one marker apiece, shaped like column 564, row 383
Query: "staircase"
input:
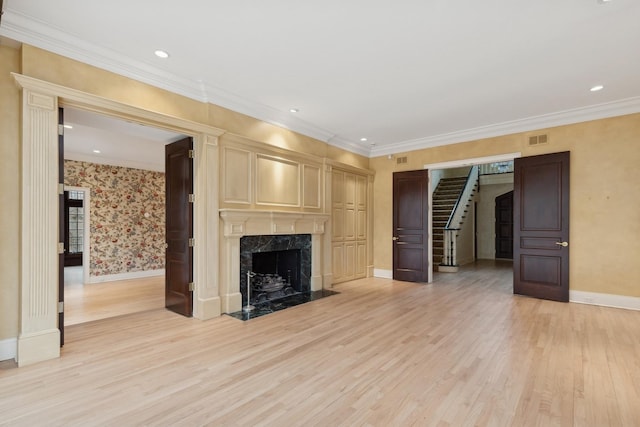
column 444, row 200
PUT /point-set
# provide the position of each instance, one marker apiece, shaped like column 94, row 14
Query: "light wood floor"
column 461, row 351
column 85, row 303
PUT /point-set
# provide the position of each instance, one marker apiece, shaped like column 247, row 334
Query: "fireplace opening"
column 274, row 266
column 276, row 274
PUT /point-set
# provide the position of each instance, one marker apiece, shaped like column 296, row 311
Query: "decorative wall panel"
column 236, row 176
column 311, row 186
column 277, row 181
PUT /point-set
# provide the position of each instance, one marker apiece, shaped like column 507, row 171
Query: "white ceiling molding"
column 19, row 27
column 39, row 33
column 577, row 115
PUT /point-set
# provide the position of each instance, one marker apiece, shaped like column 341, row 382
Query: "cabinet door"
column 361, row 259
column 337, row 259
column 349, row 261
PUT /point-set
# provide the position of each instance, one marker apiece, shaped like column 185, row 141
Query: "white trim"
column 383, row 274
column 560, row 118
column 473, row 161
column 605, row 300
column 8, row 349
column 125, row 276
column 20, row 27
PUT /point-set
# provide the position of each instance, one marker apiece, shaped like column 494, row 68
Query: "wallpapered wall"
column 127, row 216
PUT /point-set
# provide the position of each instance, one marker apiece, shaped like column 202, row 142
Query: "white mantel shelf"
column 242, row 222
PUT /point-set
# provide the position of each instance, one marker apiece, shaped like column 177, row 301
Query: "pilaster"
column 39, row 337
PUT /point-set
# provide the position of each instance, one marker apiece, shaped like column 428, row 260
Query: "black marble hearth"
column 281, row 303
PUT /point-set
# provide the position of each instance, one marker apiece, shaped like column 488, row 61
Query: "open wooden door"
column 61, row 224
column 541, row 226
column 179, row 227
column 410, row 226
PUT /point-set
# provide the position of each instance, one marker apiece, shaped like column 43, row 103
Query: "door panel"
column 541, row 226
column 179, row 227
column 410, row 226
column 61, row 224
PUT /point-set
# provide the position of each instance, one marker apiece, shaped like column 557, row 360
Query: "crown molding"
column 24, row 29
column 19, row 27
column 567, row 117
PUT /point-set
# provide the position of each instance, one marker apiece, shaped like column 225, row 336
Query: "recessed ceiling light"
column 293, row 110
column 68, row 127
column 604, row 1
column 363, row 139
column 96, row 151
column 161, row 54
column 596, row 88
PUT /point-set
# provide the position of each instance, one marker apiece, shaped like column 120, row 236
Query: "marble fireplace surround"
column 237, row 223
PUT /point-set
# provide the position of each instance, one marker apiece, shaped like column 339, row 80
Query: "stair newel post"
column 453, row 248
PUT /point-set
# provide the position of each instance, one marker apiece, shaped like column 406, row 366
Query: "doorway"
column 114, row 216
column 40, row 331
column 436, row 173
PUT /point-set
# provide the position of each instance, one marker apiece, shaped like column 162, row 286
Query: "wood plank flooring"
column 85, row 303
column 461, row 351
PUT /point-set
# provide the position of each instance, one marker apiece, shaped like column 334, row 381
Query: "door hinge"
column 60, row 247
column 61, row 130
column 192, row 242
column 60, row 306
column 191, row 154
column 61, row 189
column 191, row 286
column 192, row 198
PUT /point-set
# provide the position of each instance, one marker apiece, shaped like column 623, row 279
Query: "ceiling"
column 96, row 138
column 403, row 74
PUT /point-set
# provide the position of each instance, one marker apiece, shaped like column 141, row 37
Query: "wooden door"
column 179, row 227
column 61, row 224
column 410, row 226
column 541, row 226
column 504, row 226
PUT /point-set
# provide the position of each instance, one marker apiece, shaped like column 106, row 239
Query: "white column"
column 39, row 337
column 206, row 301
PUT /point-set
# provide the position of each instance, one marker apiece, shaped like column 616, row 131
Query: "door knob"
column 394, row 238
column 564, row 244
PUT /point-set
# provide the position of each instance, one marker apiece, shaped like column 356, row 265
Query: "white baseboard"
column 383, row 274
column 125, row 276
column 605, row 300
column 8, row 349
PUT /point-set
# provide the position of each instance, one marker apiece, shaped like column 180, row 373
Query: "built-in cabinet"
column 349, row 231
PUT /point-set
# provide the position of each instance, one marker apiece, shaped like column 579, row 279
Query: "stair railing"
column 457, row 218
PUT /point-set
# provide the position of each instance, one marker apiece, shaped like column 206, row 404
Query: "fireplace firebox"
column 279, row 266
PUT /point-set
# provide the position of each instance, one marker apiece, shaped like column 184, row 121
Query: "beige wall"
column 605, row 207
column 10, row 195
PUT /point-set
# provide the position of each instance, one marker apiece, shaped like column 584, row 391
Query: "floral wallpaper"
column 127, row 216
